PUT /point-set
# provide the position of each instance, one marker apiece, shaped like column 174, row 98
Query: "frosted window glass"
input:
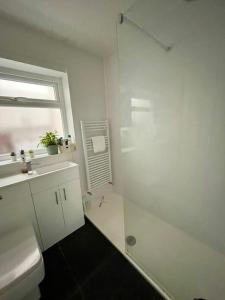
column 11, row 88
column 20, row 127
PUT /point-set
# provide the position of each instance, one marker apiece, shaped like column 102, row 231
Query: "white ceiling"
column 89, row 24
column 173, row 21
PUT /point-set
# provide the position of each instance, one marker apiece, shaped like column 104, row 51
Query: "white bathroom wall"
column 172, row 108
column 85, row 71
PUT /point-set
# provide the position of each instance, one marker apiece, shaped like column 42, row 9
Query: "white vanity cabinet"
column 58, row 205
column 50, row 216
column 50, row 200
column 16, row 208
column 70, row 195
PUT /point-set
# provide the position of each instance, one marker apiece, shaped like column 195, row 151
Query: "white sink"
column 53, row 167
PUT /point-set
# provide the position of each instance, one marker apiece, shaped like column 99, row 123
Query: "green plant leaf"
column 49, row 138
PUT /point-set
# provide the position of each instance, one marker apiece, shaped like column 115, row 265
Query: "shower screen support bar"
column 123, row 18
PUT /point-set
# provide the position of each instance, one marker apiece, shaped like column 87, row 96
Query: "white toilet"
column 21, row 265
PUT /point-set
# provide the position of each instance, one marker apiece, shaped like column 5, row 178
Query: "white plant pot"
column 13, row 158
column 31, row 155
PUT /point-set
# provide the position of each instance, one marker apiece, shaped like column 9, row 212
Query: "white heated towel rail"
column 98, row 165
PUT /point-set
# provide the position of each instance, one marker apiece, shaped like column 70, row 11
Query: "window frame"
column 33, row 78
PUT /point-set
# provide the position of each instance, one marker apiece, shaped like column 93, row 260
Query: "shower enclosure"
column 172, row 106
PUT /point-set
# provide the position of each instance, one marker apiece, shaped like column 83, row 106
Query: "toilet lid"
column 19, row 255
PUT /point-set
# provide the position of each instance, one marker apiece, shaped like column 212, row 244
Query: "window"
column 29, row 106
column 12, row 88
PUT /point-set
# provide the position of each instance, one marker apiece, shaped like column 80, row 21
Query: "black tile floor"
column 86, row 266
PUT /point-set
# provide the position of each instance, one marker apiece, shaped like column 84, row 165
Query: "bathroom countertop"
column 18, row 178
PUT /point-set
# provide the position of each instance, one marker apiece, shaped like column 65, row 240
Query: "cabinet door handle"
column 64, row 192
column 56, row 198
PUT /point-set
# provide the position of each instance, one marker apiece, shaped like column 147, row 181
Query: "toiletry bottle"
column 71, row 145
column 22, row 155
column 66, row 144
column 60, row 143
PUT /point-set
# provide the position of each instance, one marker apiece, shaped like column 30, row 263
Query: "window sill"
column 10, row 162
column 36, row 158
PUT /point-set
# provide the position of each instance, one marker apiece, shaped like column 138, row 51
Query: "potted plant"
column 31, row 153
column 50, row 141
column 13, row 156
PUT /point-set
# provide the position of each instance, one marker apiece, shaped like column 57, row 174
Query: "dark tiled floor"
column 85, row 266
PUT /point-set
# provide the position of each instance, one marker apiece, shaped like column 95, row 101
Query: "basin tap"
column 29, row 167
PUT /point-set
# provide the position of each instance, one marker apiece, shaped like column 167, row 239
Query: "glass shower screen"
column 172, row 108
